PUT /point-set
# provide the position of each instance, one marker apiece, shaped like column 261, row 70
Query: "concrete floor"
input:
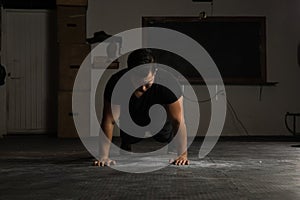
column 50, row 168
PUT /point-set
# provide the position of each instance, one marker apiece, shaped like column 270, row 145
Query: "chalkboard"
column 236, row 44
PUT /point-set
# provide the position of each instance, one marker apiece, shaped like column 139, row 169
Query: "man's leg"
column 127, row 140
column 166, row 136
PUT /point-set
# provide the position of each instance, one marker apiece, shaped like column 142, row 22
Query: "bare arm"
column 176, row 114
column 107, row 125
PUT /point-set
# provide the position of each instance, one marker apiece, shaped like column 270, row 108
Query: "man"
column 146, row 94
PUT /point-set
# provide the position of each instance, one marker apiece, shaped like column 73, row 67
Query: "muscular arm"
column 107, row 125
column 175, row 113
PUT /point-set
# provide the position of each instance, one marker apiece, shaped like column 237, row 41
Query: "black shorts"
column 165, row 135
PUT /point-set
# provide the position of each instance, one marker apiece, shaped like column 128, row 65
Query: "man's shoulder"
column 166, row 77
column 119, row 74
column 168, row 86
column 111, row 83
column 115, row 77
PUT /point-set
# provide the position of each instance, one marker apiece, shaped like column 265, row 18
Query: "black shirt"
column 156, row 94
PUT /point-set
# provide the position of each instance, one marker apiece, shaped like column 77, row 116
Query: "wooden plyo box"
column 67, row 116
column 72, row 2
column 71, row 57
column 71, row 24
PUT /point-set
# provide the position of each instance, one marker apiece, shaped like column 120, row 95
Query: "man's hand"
column 181, row 160
column 104, row 162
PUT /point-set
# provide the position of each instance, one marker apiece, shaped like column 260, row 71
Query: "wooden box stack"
column 71, row 37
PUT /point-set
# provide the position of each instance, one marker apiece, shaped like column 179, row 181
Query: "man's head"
column 140, row 57
column 142, row 78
